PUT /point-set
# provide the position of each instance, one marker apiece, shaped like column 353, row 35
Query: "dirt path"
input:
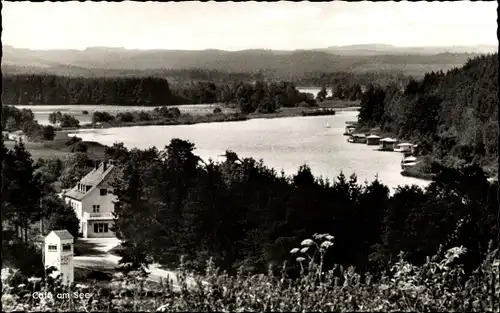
column 95, row 255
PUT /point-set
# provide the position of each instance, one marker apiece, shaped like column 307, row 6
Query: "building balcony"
column 97, row 216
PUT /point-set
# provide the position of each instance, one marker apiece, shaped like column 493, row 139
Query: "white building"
column 58, row 253
column 93, row 201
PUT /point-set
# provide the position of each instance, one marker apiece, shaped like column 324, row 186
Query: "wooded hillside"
column 453, row 115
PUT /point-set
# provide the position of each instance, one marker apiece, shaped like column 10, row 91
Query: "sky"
column 246, row 25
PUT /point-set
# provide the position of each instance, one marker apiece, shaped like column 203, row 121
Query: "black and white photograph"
column 251, row 156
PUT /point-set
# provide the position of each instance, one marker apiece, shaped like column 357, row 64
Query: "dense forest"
column 180, row 77
column 452, row 115
column 148, row 91
column 244, row 214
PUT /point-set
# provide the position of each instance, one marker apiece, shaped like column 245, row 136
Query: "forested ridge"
column 276, row 64
column 452, row 115
column 147, row 91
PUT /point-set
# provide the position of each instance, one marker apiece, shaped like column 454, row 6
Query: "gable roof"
column 388, row 140
column 62, row 234
column 94, row 178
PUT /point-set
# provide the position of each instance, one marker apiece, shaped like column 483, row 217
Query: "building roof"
column 410, row 159
column 405, row 144
column 388, row 140
column 373, row 137
column 94, row 178
column 62, row 234
column 359, row 135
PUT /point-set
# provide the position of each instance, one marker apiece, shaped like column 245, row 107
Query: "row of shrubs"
column 159, row 113
column 437, row 285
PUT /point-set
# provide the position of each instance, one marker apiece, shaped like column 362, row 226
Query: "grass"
column 437, row 285
column 57, row 148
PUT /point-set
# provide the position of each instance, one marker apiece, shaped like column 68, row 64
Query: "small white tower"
column 58, row 252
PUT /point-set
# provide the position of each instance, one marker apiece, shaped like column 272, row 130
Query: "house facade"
column 93, row 201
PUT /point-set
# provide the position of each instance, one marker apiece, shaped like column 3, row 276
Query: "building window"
column 104, row 192
column 100, row 227
column 66, row 247
column 96, row 208
column 52, row 247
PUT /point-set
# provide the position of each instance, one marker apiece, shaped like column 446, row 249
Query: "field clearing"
column 57, row 148
column 414, row 70
column 38, row 150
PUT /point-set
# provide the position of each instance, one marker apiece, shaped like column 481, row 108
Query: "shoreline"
column 207, row 118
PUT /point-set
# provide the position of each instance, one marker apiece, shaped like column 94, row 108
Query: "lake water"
column 315, row 90
column 283, row 143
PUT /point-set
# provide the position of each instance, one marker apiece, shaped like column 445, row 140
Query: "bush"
column 79, row 147
column 102, row 117
column 69, row 121
column 437, row 285
column 144, row 116
column 55, row 117
column 85, row 112
column 125, row 117
column 48, row 132
column 217, row 111
column 72, row 141
column 169, row 112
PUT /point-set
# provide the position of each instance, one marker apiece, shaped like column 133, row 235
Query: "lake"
column 283, row 143
column 315, row 90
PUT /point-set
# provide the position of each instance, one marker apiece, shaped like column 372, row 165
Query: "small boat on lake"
column 357, row 138
column 349, row 129
column 327, row 125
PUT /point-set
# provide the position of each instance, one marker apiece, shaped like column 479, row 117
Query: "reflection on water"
column 284, row 143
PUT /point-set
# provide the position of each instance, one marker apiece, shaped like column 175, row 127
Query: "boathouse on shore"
column 373, row 140
column 388, row 144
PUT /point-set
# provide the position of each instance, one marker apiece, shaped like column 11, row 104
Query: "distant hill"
column 357, row 58
column 377, row 49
